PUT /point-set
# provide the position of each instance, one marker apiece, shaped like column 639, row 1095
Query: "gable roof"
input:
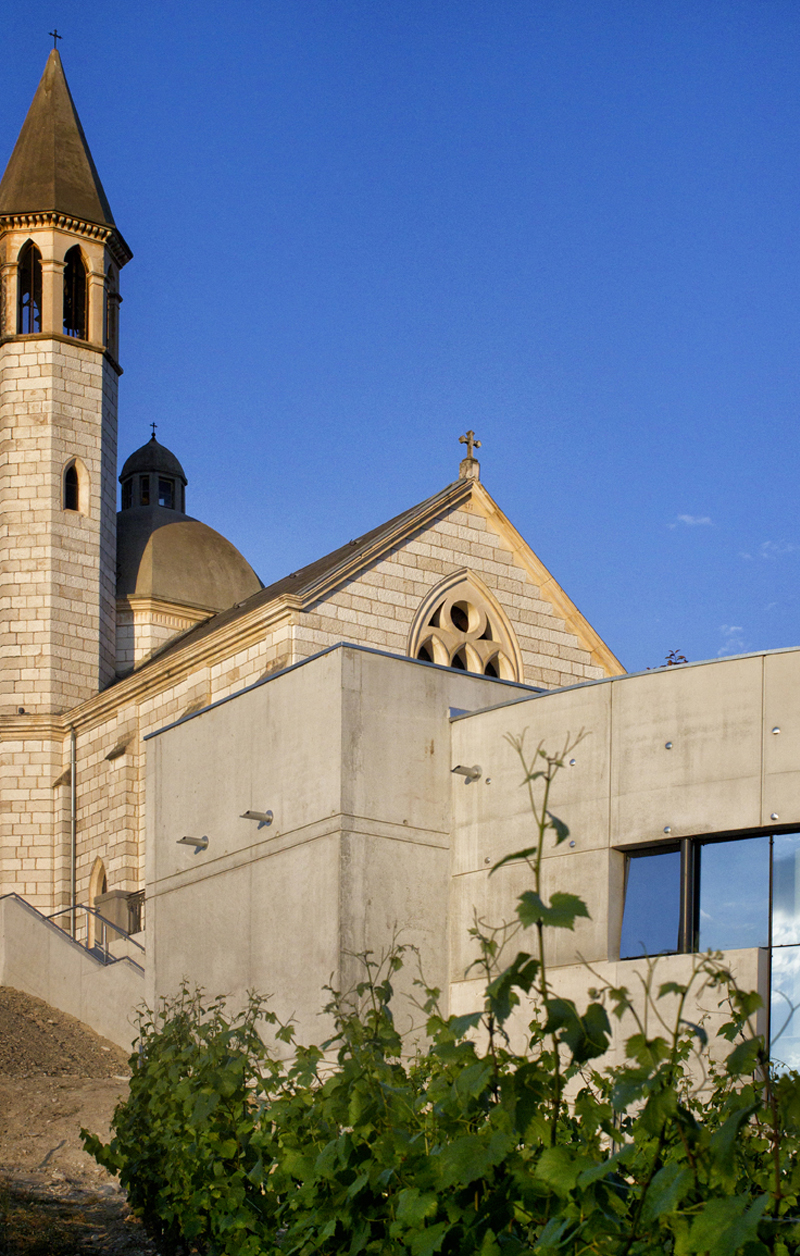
column 312, row 583
column 51, row 168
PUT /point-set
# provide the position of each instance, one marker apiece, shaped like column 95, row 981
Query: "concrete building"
column 151, row 690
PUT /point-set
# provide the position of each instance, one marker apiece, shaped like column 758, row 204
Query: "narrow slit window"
column 29, row 315
column 144, row 490
column 75, row 286
column 71, row 489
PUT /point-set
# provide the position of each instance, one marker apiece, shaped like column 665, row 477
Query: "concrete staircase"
column 102, row 991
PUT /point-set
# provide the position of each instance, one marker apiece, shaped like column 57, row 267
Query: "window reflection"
column 651, row 918
column 785, row 993
column 734, row 894
column 729, row 902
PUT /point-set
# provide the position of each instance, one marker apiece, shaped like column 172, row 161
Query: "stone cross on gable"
column 470, row 467
column 470, row 442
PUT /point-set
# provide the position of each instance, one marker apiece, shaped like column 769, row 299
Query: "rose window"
column 463, row 630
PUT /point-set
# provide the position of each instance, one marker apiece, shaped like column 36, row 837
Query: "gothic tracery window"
column 29, row 289
column 464, row 628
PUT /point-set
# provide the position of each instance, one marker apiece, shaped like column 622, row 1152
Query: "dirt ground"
column 56, row 1076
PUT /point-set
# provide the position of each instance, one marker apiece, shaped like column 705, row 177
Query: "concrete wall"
column 351, row 752
column 725, row 770
column 39, row 958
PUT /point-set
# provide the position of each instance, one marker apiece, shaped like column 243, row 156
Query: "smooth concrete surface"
column 374, row 838
column 351, row 753
column 724, row 771
column 706, row 1005
column 39, row 958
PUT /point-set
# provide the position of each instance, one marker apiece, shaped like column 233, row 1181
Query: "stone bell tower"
column 60, row 257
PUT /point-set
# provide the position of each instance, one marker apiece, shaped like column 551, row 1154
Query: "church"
column 247, row 786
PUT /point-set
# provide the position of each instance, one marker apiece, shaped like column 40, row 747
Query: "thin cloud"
column 776, row 549
column 733, row 640
column 692, row 521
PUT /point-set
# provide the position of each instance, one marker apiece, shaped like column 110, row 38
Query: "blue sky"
column 361, row 228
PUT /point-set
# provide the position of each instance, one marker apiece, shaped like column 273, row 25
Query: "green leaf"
column 723, row 1140
column 726, row 1225
column 562, row 912
column 586, row 1036
column 552, row 1234
column 744, row 1057
column 667, row 1189
column 430, row 1239
column 515, row 857
column 559, row 1169
column 500, row 992
column 204, row 1105
column 470, row 1157
column 460, row 1025
column 413, row 1206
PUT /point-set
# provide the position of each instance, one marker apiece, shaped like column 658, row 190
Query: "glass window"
column 166, row 493
column 734, row 894
column 127, row 494
column 784, row 1022
column 144, row 490
column 652, row 913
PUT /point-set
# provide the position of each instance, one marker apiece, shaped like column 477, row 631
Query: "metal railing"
column 136, row 911
column 92, row 931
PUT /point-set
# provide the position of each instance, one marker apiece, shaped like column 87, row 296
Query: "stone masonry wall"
column 375, row 609
column 378, row 607
column 57, row 567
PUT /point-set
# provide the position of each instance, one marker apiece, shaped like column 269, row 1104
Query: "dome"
column 153, row 457
column 167, row 555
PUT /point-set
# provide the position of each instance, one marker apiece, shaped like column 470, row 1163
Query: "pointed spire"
column 51, row 168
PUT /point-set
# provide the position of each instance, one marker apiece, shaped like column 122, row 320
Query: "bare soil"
column 56, row 1076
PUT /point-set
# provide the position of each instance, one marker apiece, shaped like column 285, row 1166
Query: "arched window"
column 75, row 487
column 29, row 289
column 71, row 488
column 460, row 624
column 98, row 885
column 75, row 288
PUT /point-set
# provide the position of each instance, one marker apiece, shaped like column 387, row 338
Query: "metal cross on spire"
column 470, row 442
column 56, row 36
column 154, row 426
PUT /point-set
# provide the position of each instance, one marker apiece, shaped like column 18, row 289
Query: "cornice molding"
column 160, row 606
column 109, row 236
column 158, row 674
column 25, row 727
column 64, row 340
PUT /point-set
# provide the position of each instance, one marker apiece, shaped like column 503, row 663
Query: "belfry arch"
column 75, row 294
column 461, row 624
column 29, row 290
